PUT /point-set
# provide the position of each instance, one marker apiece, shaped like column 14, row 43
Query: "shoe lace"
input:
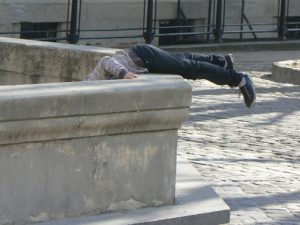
column 243, row 90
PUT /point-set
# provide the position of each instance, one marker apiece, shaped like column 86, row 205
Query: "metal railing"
column 214, row 30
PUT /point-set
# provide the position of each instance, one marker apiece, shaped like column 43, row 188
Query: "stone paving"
column 250, row 157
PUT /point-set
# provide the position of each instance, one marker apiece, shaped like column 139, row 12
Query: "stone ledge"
column 13, row 132
column 28, row 61
column 196, row 203
column 7, row 42
column 84, row 109
column 94, row 97
column 287, row 71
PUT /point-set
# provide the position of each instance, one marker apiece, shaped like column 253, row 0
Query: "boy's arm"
column 113, row 68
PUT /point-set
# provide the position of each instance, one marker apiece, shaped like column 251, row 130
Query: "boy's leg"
column 159, row 61
column 192, row 69
column 218, row 60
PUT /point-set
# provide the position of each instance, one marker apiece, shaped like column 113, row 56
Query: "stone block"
column 287, row 71
column 196, row 203
column 69, row 149
column 84, row 148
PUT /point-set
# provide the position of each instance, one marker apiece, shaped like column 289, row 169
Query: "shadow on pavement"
column 282, row 106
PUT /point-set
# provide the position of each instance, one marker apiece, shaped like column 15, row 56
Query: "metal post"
column 178, row 9
column 282, row 20
column 149, row 34
column 73, row 36
column 242, row 19
column 208, row 20
column 218, row 28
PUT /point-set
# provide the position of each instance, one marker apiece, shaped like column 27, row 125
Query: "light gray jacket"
column 117, row 66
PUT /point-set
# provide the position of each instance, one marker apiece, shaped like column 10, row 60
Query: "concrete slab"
column 196, row 204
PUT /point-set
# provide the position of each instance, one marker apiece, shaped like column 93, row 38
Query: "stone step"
column 196, row 204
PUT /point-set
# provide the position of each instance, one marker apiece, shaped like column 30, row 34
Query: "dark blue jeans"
column 188, row 65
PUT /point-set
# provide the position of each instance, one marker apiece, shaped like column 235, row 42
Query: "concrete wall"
column 26, row 61
column 108, row 14
column 79, row 148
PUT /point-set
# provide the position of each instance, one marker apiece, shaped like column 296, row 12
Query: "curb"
column 237, row 46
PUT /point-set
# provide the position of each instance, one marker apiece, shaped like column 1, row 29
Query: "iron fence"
column 178, row 30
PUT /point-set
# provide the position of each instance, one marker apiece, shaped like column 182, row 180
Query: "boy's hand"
column 130, row 75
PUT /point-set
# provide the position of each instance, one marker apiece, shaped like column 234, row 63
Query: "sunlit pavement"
column 251, row 157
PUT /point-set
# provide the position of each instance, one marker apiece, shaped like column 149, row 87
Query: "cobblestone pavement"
column 250, row 157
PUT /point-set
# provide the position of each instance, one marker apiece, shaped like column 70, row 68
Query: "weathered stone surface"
column 93, row 125
column 70, row 110
column 73, row 177
column 196, row 203
column 94, row 97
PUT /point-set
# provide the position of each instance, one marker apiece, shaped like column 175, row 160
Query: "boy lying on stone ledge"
column 143, row 58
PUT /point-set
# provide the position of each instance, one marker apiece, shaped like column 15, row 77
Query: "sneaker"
column 248, row 92
column 229, row 62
